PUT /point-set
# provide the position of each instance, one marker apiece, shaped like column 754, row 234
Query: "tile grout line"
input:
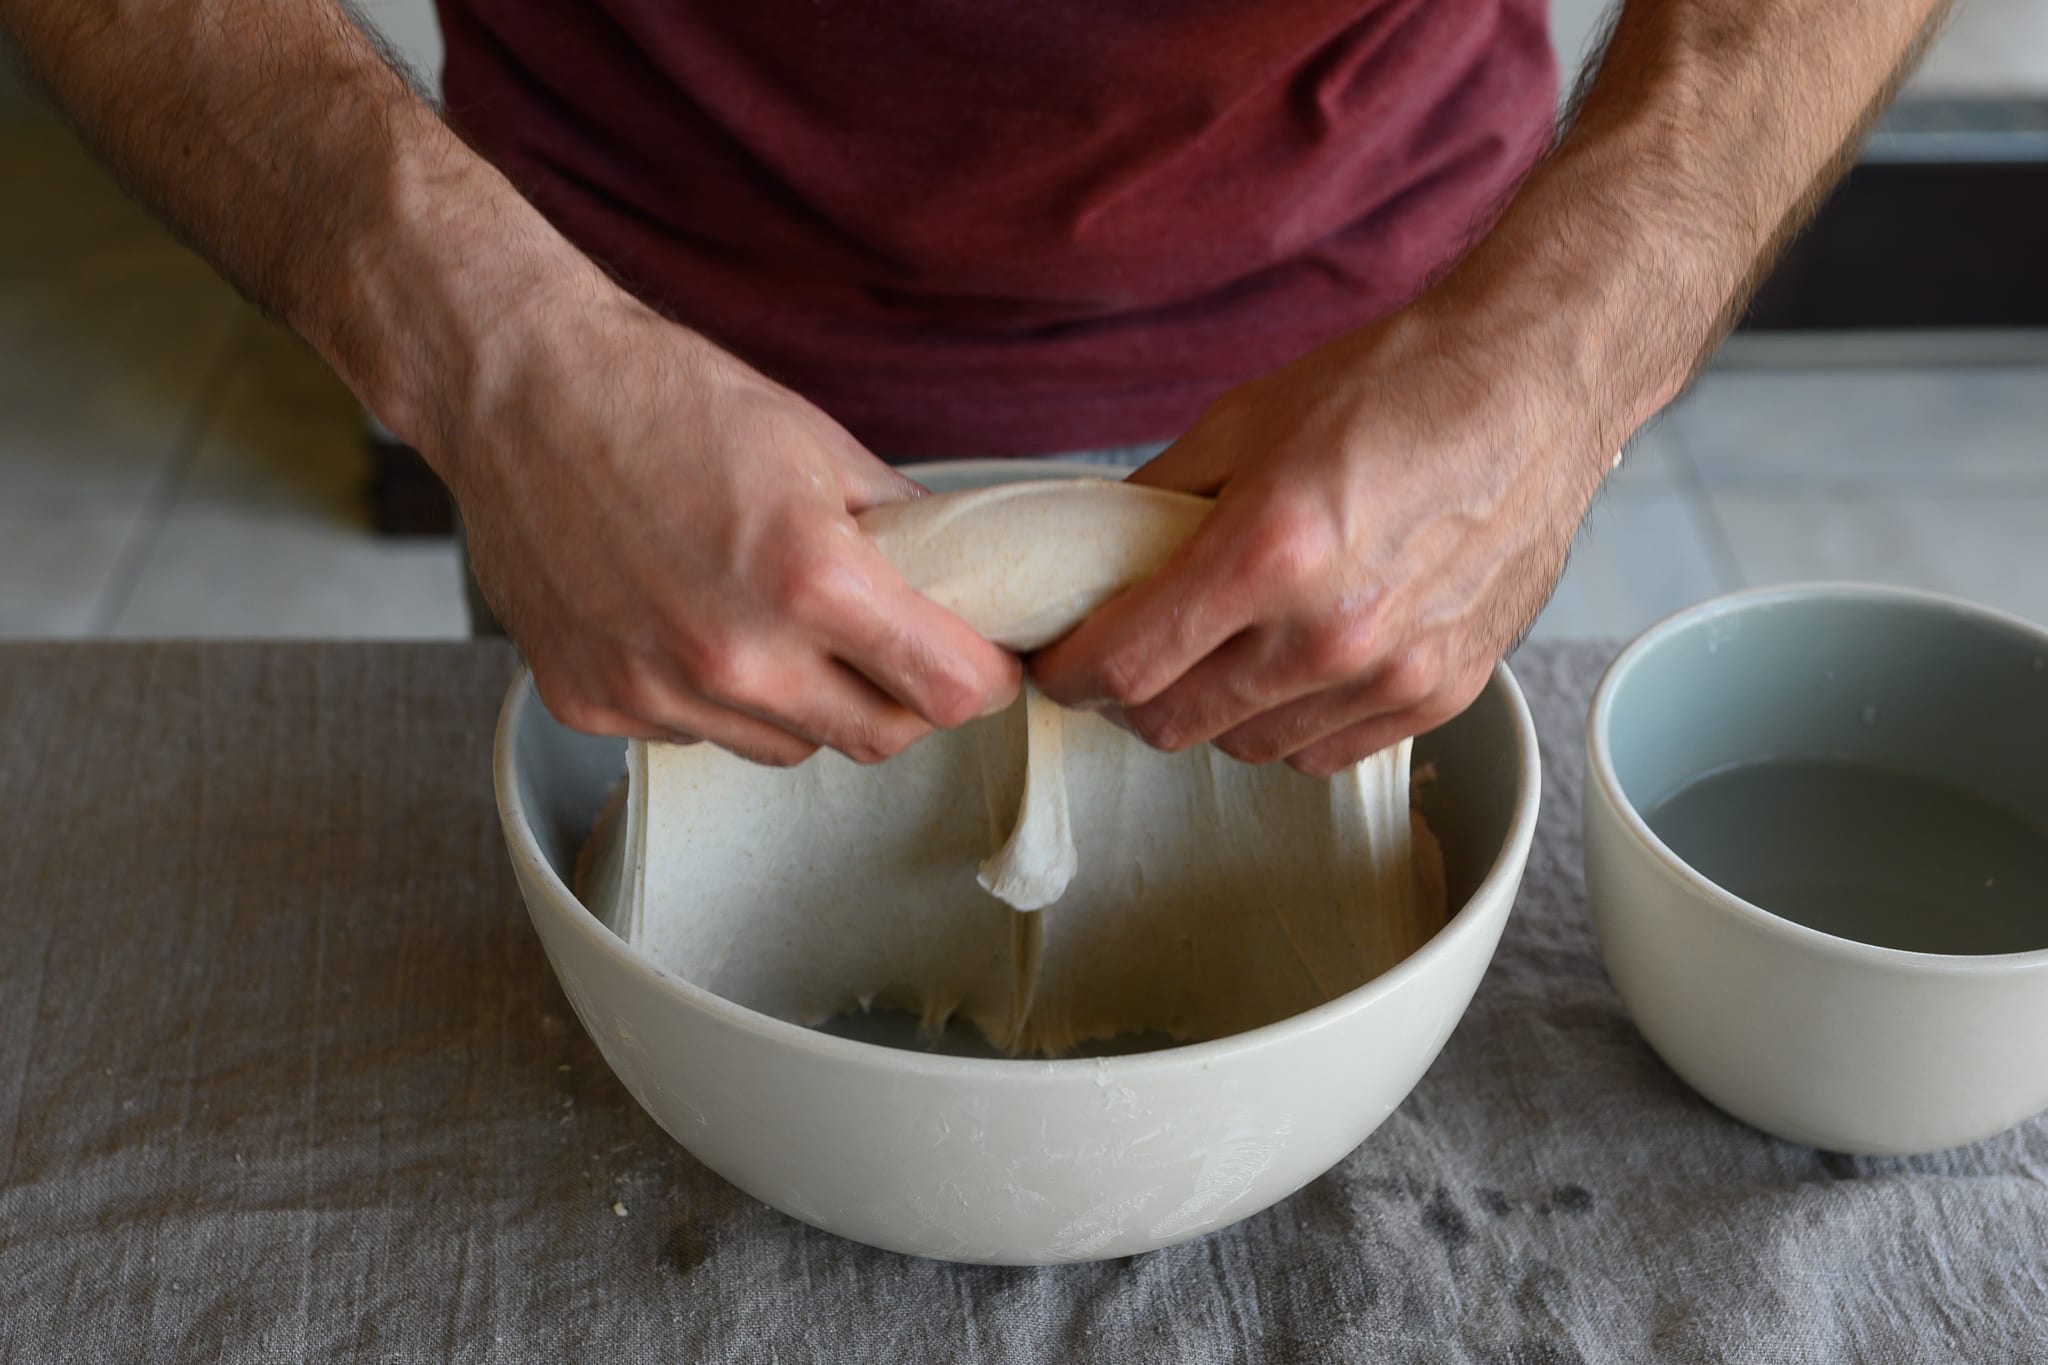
column 163, row 494
column 1698, row 500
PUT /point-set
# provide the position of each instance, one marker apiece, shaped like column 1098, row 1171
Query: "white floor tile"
column 1948, row 428
column 101, row 385
column 54, row 568
column 1989, row 47
column 267, row 535
column 109, row 329
column 1990, row 549
column 1637, row 559
column 279, row 575
column 109, row 332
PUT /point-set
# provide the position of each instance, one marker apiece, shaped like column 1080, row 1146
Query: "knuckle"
column 1288, row 548
column 808, row 587
column 872, row 737
column 571, row 705
column 897, row 738
column 862, row 744
column 952, row 699
column 1342, row 647
column 1319, row 763
column 1159, row 728
column 1260, row 748
column 1411, row 680
column 1235, row 746
column 1123, row 680
column 883, row 749
column 781, row 755
column 639, row 693
column 719, row 666
column 581, row 715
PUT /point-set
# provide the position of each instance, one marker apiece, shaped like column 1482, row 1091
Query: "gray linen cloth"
column 284, row 1076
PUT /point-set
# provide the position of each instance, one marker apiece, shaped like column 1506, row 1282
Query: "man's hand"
column 1391, row 512
column 1393, row 509
column 670, row 538
column 667, row 534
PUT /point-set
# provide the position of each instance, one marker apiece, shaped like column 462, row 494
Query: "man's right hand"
column 669, row 537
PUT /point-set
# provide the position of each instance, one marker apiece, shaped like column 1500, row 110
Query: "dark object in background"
column 406, row 497
column 1904, row 245
column 1939, row 225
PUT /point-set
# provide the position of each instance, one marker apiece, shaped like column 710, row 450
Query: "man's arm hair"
column 292, row 151
column 1700, row 138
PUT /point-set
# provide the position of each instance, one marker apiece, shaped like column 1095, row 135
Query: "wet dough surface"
column 1186, row 894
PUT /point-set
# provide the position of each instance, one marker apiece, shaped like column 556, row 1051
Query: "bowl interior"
column 562, row 778
column 1477, row 761
column 1899, row 725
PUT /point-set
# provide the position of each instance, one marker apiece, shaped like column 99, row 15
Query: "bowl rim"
column 1468, row 922
column 1600, row 767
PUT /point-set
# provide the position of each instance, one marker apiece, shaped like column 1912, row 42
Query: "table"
column 284, row 1076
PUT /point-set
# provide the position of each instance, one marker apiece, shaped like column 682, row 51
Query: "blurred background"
column 173, row 465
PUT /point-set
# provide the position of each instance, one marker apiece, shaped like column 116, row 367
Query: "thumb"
column 1199, row 462
column 867, row 481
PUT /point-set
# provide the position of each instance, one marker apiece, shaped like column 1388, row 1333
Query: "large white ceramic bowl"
column 1820, row 1039
column 1005, row 1160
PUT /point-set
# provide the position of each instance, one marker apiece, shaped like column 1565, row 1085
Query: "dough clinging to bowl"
column 1184, row 895
column 1019, row 1161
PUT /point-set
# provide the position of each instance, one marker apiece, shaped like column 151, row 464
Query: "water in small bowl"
column 1866, row 853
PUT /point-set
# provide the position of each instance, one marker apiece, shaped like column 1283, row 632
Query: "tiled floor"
column 170, row 464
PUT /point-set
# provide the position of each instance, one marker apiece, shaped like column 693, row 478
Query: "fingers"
column 832, row 706
column 782, row 697
column 1341, row 748
column 1288, row 729
column 854, row 661
column 674, row 719
column 914, row 652
column 1339, row 703
column 603, row 720
column 1140, row 642
column 1135, row 646
column 1196, row 463
column 1245, row 678
column 850, row 658
column 867, row 481
column 1333, row 754
column 1277, row 669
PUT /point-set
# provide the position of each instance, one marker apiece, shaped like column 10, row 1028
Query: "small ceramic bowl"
column 1012, row 1160
column 1818, row 1036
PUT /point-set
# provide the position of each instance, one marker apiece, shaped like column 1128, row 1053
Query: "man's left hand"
column 1391, row 512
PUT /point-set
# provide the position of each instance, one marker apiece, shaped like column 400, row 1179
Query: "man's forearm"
column 279, row 142
column 1708, row 133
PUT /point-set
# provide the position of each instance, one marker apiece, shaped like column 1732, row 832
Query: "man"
column 953, row 226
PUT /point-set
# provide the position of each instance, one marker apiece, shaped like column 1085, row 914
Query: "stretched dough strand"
column 1101, row 888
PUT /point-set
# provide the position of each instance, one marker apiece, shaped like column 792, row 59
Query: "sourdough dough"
column 1186, row 894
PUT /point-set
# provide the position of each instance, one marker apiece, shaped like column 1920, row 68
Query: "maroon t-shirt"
column 1005, row 226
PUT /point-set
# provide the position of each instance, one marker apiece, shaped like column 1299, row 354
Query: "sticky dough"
column 1180, row 894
